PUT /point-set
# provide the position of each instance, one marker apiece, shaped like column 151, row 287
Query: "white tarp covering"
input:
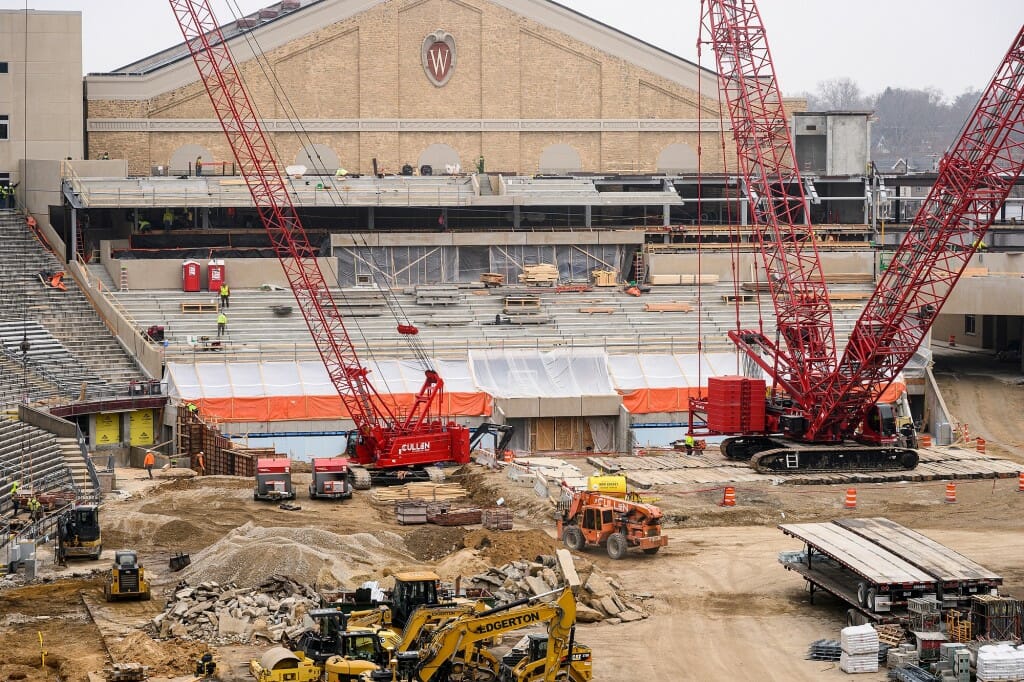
column 650, row 370
column 536, row 374
column 309, row 378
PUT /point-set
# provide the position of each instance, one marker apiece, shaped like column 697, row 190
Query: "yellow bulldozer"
column 126, row 578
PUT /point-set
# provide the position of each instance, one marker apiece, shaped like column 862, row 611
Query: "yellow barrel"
column 613, row 486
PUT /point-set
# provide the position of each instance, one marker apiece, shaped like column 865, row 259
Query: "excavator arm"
column 463, row 633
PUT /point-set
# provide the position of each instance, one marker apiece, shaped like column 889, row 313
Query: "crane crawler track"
column 833, row 458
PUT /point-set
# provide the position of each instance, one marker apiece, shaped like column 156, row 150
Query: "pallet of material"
column 848, row 295
column 738, row 298
column 668, row 307
column 411, row 512
column 199, row 307
column 497, row 518
column 542, row 274
column 684, row 279
column 755, row 286
column 432, row 295
column 573, row 288
column 521, row 305
column 594, row 310
column 605, row 278
column 492, row 279
column 444, row 514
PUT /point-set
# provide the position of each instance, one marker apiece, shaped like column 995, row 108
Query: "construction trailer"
column 273, row 479
column 884, row 571
column 332, row 479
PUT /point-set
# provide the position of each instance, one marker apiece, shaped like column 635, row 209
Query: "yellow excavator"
column 557, row 655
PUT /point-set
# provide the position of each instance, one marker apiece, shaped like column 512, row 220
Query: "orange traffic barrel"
column 1020, row 482
column 729, row 497
column 952, row 340
column 509, row 456
column 980, row 444
column 851, row 498
column 924, row 440
column 951, row 492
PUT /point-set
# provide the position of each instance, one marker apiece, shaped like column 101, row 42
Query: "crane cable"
column 295, row 122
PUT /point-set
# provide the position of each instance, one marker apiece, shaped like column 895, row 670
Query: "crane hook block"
column 408, row 329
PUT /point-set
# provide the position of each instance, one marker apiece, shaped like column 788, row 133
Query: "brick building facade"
column 528, row 85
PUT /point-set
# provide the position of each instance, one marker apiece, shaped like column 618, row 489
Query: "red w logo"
column 439, row 60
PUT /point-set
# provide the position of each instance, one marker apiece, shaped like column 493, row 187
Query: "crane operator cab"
column 879, row 427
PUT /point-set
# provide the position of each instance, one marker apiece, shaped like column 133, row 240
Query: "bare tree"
column 839, row 94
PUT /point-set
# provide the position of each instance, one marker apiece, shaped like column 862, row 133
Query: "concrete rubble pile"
column 225, row 614
column 598, row 598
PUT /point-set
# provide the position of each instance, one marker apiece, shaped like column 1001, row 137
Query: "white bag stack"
column 860, row 649
column 1000, row 662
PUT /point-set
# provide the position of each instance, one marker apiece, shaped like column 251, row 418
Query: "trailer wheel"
column 872, row 593
column 862, row 593
column 617, row 545
column 572, row 536
column 855, row 617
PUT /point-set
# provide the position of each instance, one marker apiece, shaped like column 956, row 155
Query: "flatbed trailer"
column 875, row 566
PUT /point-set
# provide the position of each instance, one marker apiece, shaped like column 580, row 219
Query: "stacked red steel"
column 736, row 404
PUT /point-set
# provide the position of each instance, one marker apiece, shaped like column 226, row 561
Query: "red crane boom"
column 766, row 163
column 830, row 402
column 420, row 436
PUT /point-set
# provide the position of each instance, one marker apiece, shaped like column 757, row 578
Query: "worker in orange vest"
column 149, row 462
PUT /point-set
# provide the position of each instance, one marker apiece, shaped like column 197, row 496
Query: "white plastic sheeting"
column 536, row 374
column 651, row 370
column 309, row 378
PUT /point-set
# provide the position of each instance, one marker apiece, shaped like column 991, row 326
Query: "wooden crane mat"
column 667, row 467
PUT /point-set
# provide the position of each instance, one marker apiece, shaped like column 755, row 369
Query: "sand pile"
column 250, row 554
column 162, row 658
column 131, row 528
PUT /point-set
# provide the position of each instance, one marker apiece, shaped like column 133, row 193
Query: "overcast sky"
column 952, row 45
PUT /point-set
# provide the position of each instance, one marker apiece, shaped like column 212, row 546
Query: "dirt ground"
column 721, row 605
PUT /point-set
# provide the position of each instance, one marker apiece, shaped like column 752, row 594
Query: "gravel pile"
column 248, row 554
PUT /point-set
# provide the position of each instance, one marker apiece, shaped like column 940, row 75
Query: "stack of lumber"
column 668, row 307
column 542, row 274
column 605, row 278
column 849, row 278
column 423, row 491
column 492, row 279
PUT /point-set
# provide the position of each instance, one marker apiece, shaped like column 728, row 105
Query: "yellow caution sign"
column 108, row 428
column 140, row 427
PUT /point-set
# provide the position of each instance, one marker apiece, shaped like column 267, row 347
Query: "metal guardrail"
column 97, row 494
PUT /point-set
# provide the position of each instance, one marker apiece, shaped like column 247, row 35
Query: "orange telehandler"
column 591, row 519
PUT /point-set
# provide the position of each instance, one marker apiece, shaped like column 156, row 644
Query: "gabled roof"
column 287, row 20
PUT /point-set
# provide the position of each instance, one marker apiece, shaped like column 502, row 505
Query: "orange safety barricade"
column 951, row 492
column 980, row 444
column 728, row 497
column 851, row 498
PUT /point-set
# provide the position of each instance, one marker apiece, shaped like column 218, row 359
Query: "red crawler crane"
column 394, row 447
column 828, row 402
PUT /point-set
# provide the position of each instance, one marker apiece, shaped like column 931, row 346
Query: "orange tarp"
column 649, row 400
column 286, row 408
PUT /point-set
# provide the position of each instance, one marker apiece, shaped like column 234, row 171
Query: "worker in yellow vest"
column 225, row 294
column 222, row 324
column 15, row 502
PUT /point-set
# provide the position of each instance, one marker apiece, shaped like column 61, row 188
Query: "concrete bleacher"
column 621, row 323
column 40, row 462
column 70, row 346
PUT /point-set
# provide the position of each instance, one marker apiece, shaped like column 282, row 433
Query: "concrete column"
column 743, row 211
column 588, row 212
column 371, row 215
column 666, row 214
column 517, row 218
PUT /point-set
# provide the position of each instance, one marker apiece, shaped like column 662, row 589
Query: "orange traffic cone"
column 851, row 498
column 1020, row 482
column 728, row 497
column 951, row 492
column 980, row 444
